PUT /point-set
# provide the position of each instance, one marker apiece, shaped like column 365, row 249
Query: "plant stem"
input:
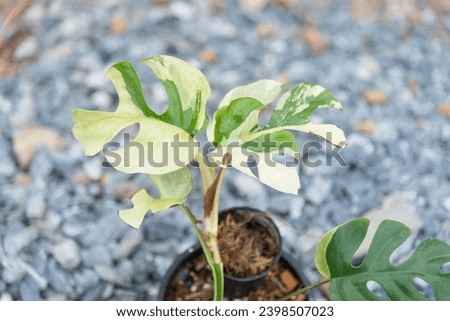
column 305, row 289
column 206, row 172
column 217, row 269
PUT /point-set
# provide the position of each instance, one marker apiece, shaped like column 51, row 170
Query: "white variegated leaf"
column 173, row 188
column 271, row 173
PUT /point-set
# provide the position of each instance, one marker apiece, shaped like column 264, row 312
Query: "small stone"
column 107, row 291
column 266, row 30
column 5, row 296
column 118, row 25
column 80, row 178
column 17, row 239
column 365, row 126
column 413, row 85
column 397, row 207
column 27, row 49
column 102, row 100
column 446, row 203
column 125, row 269
column 94, row 293
column 93, row 169
column 36, row 206
column 108, row 274
column 283, row 78
column 57, row 297
column 7, row 168
column 308, row 240
column 296, row 207
column 208, row 55
column 67, row 254
column 160, row 2
column 421, row 123
column 127, row 245
column 13, row 270
column 125, row 295
column 59, row 279
column 216, row 5
column 27, row 140
column 247, row 187
column 125, row 190
column 85, row 280
column 375, row 96
column 255, row 5
column 315, row 40
column 444, row 109
column 96, row 256
column 365, row 9
column 29, row 291
column 289, row 281
column 22, row 179
column 182, row 10
column 318, row 191
column 280, row 204
column 283, row 3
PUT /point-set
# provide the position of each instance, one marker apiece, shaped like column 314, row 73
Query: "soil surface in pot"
column 193, row 282
column 247, row 249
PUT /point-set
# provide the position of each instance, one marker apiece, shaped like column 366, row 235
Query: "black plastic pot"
column 235, row 287
column 286, row 259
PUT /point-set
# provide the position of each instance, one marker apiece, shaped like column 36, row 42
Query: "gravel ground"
column 387, row 61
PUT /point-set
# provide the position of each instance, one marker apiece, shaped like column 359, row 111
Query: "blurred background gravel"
column 387, row 61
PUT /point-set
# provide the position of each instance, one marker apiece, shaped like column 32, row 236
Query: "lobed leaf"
column 235, row 128
column 336, row 249
column 187, row 89
column 154, row 150
column 173, row 187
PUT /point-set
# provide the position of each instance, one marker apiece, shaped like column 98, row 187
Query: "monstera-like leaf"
column 348, row 282
column 235, row 130
column 156, row 148
column 163, row 145
column 173, row 188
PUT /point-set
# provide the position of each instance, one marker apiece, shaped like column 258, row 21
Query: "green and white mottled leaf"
column 173, row 188
column 274, row 142
column 187, row 90
column 265, row 91
column 238, row 111
column 271, row 173
column 296, row 106
column 235, row 123
column 336, row 249
column 152, row 152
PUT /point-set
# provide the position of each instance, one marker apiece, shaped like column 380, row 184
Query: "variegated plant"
column 234, row 132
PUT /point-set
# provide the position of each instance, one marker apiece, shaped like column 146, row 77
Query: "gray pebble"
column 19, row 238
column 67, row 254
column 99, row 255
column 29, row 290
column 27, row 49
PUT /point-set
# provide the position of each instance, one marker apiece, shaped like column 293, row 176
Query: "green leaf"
column 238, row 111
column 274, row 174
column 236, row 118
column 173, row 188
column 235, row 128
column 264, row 90
column 348, row 282
column 296, row 106
column 187, row 90
column 274, row 142
column 152, row 151
column 129, row 88
column 293, row 112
